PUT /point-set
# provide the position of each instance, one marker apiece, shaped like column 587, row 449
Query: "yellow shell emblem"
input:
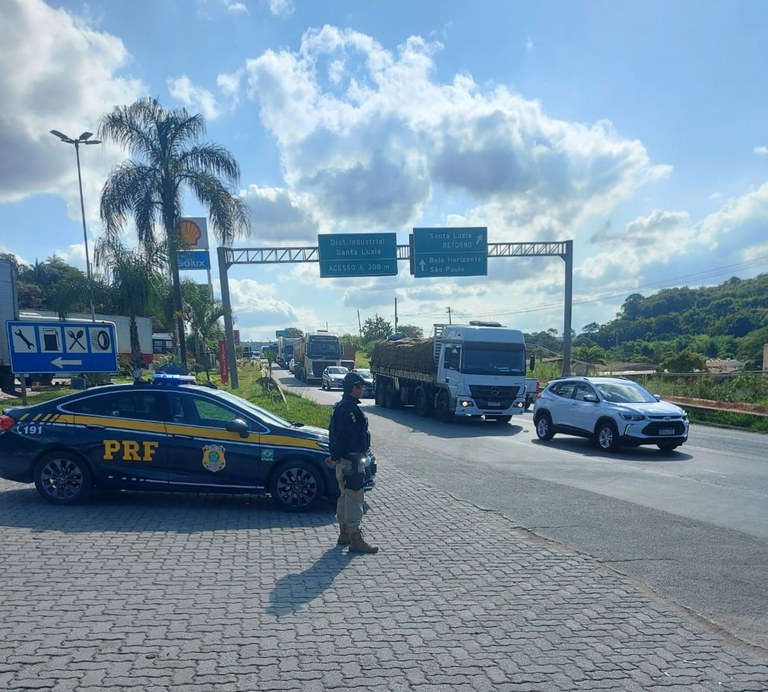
column 213, row 458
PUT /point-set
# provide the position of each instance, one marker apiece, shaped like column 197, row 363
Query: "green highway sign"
column 357, row 254
column 441, row 252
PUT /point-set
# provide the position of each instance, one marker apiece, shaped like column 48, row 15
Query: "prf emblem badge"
column 213, row 458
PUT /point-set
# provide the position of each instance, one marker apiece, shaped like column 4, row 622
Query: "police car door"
column 211, row 449
column 123, row 436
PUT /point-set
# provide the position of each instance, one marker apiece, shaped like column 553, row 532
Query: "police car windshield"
column 263, row 414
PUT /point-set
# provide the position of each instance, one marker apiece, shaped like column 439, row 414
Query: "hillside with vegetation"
column 678, row 329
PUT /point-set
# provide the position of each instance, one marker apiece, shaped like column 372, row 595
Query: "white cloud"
column 56, row 72
column 369, row 135
column 760, row 151
column 195, row 99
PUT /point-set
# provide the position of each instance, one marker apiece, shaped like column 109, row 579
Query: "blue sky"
column 636, row 129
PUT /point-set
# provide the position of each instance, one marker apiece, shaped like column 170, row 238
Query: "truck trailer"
column 313, row 353
column 472, row 370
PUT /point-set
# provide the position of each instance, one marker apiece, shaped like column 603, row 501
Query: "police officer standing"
column 350, row 441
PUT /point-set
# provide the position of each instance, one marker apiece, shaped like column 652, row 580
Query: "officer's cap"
column 351, row 380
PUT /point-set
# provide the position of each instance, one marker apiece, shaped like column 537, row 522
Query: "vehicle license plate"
column 494, row 404
column 666, row 431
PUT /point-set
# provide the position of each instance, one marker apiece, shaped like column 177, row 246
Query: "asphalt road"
column 691, row 524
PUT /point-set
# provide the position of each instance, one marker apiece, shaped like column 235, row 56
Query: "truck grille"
column 319, row 365
column 492, row 396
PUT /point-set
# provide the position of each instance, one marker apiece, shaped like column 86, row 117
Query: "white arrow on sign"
column 421, row 265
column 60, row 362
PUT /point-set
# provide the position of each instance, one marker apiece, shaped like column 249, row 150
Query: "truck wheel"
column 443, row 409
column 422, row 402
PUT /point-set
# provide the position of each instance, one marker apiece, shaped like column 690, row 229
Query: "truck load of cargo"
column 473, row 370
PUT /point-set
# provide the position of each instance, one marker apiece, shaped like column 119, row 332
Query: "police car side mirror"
column 238, row 425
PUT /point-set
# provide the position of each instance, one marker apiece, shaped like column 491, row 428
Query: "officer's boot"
column 343, row 535
column 357, row 543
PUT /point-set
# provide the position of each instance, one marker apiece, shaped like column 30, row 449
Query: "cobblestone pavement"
column 197, row 593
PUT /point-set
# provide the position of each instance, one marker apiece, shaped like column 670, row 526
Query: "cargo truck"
column 476, row 369
column 313, row 353
column 285, row 350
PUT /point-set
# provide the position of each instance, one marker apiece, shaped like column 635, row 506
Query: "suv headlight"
column 632, row 416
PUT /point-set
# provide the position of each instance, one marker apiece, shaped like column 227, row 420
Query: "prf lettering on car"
column 130, row 450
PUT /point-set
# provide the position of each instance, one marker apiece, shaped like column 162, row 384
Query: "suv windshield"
column 624, row 393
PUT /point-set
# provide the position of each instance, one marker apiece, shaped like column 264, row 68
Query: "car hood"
column 314, row 432
column 659, row 408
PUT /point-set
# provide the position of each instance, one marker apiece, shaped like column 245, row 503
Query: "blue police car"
column 169, row 434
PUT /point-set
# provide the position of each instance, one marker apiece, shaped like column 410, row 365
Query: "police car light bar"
column 169, row 378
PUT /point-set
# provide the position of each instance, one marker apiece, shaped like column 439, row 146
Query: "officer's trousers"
column 349, row 507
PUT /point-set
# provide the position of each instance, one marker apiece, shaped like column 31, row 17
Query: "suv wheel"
column 607, row 436
column 544, row 429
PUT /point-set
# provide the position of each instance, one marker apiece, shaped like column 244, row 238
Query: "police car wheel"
column 63, row 479
column 297, row 486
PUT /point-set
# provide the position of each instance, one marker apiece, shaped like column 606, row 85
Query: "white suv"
column 613, row 411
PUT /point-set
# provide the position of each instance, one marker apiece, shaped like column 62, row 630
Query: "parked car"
column 168, row 434
column 613, row 411
column 333, row 377
column 369, row 388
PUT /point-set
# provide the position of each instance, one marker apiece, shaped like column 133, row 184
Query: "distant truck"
column 313, row 353
column 476, row 369
column 348, row 355
column 285, row 350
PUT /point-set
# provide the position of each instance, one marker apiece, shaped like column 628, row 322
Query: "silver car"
column 613, row 411
column 333, row 377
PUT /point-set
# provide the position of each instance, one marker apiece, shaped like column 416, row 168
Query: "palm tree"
column 149, row 188
column 135, row 282
column 203, row 316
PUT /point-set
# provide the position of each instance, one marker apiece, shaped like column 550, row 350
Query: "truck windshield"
column 324, row 347
column 493, row 359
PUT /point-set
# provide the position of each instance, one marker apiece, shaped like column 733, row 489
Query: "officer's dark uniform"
column 349, row 442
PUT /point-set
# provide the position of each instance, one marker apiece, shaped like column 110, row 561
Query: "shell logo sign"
column 194, row 233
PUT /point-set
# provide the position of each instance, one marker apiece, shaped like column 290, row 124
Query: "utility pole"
column 395, row 314
column 84, row 138
column 448, row 310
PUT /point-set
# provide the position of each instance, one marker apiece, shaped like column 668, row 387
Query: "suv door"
column 583, row 414
column 559, row 403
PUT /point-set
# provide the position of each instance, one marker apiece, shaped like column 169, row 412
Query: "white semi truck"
column 476, row 369
column 313, row 353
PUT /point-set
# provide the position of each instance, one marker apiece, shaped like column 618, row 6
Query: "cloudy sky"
column 637, row 129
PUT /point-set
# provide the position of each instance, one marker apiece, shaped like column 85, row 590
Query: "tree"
column 135, row 282
column 376, row 329
column 168, row 159
column 202, row 314
column 411, row 332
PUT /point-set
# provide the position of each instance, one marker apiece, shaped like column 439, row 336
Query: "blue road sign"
column 357, row 254
column 442, row 252
column 194, row 259
column 61, row 347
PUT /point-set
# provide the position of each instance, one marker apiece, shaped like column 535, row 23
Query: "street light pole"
column 84, row 138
